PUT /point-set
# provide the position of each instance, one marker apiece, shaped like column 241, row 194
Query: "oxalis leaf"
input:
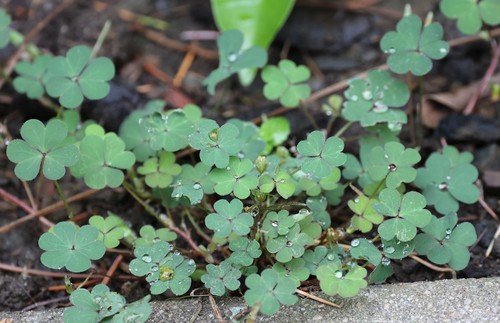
column 193, row 182
column 30, row 78
column 111, row 229
column 370, row 100
column 286, row 83
column 333, row 280
column 394, row 163
column 445, row 242
column 229, row 219
column 448, row 178
column 407, row 214
column 268, row 290
column 221, row 277
column 232, row 59
column 471, row 13
column 42, row 146
column 77, row 76
column 102, row 160
column 411, row 48
column 159, row 172
column 237, row 178
column 320, row 155
column 244, row 251
column 5, row 21
column 67, row 245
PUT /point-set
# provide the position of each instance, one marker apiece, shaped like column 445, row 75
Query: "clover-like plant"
column 193, row 182
column 168, row 131
column 281, row 181
column 274, row 131
column 244, row 251
column 321, row 255
column 333, row 279
column 237, row 178
column 295, row 269
column 365, row 216
column 150, row 235
column 445, row 242
column 290, row 245
column 78, row 75
column 111, row 229
column 30, row 77
column 278, row 223
column 411, row 48
column 407, row 214
column 163, row 269
column 270, row 289
column 370, row 100
column 471, row 14
column 229, row 219
column 448, row 178
column 42, row 146
column 103, row 157
column 393, row 162
column 320, row 156
column 216, row 144
column 67, row 245
column 286, row 82
column 221, row 277
column 364, row 249
column 103, row 305
column 232, row 59
column 159, row 171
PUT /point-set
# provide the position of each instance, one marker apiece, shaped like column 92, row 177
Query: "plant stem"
column 343, row 129
column 100, row 39
column 308, row 116
column 64, row 200
column 197, row 227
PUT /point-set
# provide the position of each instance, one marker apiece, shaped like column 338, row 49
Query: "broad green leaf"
column 471, row 13
column 160, row 171
column 229, row 219
column 364, row 249
column 30, row 77
column 333, row 280
column 111, row 229
column 321, row 156
column 221, row 277
column 274, row 131
column 5, row 21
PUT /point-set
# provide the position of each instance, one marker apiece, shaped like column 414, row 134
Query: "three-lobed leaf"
column 471, row 13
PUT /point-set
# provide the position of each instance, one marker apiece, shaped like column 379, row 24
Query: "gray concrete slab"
column 463, row 300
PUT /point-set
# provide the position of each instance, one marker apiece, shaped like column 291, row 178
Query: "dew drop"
column 386, row 261
column 241, row 155
column 443, row 186
column 380, row 107
column 177, row 196
column 443, row 50
column 392, row 167
column 356, row 200
column 354, row 98
column 281, row 181
column 196, row 186
column 177, row 252
column 146, row 258
column 191, row 262
column 391, row 50
column 154, row 268
column 448, row 178
column 232, row 57
column 274, row 224
column 228, row 168
column 447, row 237
column 367, row 95
column 355, row 243
column 338, row 274
column 390, row 250
column 448, row 231
column 289, row 243
column 304, row 212
column 330, row 257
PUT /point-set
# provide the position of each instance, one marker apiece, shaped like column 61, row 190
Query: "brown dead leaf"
column 453, row 101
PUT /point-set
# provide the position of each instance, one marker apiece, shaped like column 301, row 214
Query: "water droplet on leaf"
column 274, row 224
column 390, row 250
column 338, row 274
column 355, row 243
column 386, row 261
column 367, row 95
column 289, row 243
column 196, row 186
column 232, row 57
column 146, row 258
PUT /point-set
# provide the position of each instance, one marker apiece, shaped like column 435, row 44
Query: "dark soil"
column 340, row 42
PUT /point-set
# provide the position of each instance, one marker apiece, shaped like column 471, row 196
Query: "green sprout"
column 286, row 83
column 445, row 242
column 333, row 279
column 281, row 181
column 111, row 229
column 229, row 219
column 448, row 178
column 244, row 251
column 168, row 131
column 411, row 48
column 321, row 156
column 270, row 289
column 78, row 75
column 233, row 58
column 30, row 77
column 42, row 146
column 393, row 163
column 370, row 100
column 237, row 178
column 221, row 277
column 163, row 269
column 407, row 214
column 471, row 14
column 67, row 245
column 103, row 157
column 159, row 171
column 150, row 235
